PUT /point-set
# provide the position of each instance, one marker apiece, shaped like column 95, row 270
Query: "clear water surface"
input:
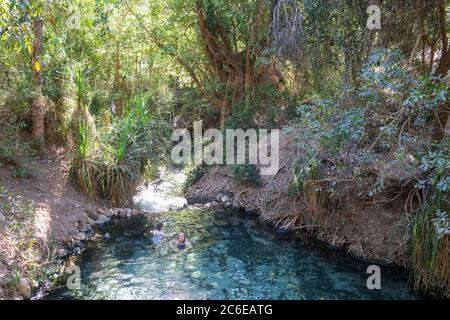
column 232, row 257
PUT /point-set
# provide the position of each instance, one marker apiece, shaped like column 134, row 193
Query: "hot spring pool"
column 233, row 257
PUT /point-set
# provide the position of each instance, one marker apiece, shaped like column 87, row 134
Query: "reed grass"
column 114, row 169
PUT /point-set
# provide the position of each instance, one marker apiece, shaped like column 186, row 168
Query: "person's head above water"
column 181, row 238
column 158, row 226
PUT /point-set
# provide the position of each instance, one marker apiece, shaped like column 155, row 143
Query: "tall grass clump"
column 84, row 167
column 135, row 139
column 125, row 149
column 430, row 235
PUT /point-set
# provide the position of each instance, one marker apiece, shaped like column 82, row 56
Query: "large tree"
column 243, row 43
column 22, row 28
column 38, row 105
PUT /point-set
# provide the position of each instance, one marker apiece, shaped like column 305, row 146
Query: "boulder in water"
column 102, row 219
column 122, row 213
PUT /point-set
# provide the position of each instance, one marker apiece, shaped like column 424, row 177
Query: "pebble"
column 2, row 219
column 87, row 228
column 62, row 253
column 81, row 236
column 24, row 288
column 101, row 220
column 76, row 251
column 93, row 215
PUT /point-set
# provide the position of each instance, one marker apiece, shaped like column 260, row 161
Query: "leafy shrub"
column 430, row 233
column 305, row 172
column 14, row 151
column 194, row 174
column 113, row 170
column 247, row 173
column 389, row 108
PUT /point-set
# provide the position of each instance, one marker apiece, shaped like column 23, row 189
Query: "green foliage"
column 194, row 174
column 247, row 173
column 14, row 151
column 114, row 168
column 388, row 109
column 268, row 108
column 305, row 172
column 430, row 231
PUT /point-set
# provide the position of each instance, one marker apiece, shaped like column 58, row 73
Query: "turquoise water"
column 232, row 257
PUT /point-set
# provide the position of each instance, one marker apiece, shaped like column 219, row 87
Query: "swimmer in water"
column 158, row 234
column 181, row 242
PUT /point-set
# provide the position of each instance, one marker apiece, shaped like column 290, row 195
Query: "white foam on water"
column 163, row 194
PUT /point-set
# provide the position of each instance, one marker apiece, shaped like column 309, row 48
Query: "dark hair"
column 158, row 226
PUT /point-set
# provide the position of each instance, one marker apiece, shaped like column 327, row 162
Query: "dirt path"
column 44, row 213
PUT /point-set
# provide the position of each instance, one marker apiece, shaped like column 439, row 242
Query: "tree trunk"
column 443, row 110
column 38, row 104
column 235, row 69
